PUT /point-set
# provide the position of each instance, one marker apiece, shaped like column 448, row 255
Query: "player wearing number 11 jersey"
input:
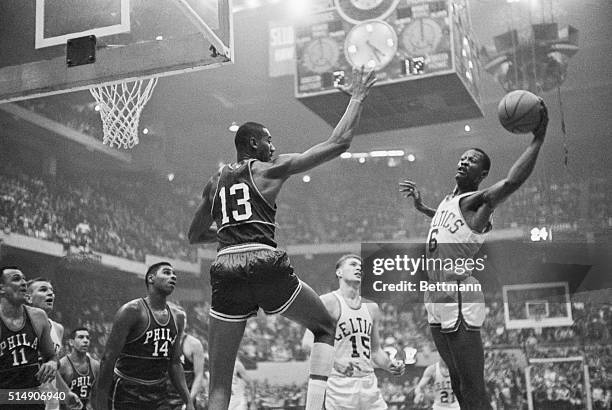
column 250, row 271
column 143, row 349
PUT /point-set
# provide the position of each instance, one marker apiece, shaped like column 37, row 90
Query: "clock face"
column 372, row 44
column 321, row 55
column 356, row 11
column 421, row 37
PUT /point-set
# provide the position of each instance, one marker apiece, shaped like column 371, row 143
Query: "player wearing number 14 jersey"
column 250, row 271
column 143, row 349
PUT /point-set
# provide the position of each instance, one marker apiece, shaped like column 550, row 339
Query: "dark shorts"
column 130, row 395
column 246, row 277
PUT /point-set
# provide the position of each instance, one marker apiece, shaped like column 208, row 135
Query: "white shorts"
column 354, row 393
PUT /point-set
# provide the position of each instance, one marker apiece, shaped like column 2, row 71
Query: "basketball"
column 519, row 111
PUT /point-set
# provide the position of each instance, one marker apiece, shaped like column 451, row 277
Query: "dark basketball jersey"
column 241, row 213
column 19, row 355
column 80, row 383
column 145, row 359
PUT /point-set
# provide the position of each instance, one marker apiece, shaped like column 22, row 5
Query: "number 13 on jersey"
column 239, row 193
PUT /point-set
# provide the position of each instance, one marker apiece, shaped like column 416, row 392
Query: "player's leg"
column 468, row 354
column 223, row 342
column 444, row 349
column 308, row 310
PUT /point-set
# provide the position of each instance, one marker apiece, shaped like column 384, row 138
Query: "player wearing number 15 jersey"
column 143, row 349
column 352, row 383
column 249, row 271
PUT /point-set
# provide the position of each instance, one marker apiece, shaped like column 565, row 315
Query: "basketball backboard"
column 133, row 39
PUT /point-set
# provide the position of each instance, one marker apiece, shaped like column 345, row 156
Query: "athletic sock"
column 321, row 362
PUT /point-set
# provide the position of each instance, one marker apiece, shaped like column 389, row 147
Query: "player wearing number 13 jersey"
column 456, row 233
column 249, row 271
column 143, row 349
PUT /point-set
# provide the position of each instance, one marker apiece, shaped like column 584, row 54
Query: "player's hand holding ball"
column 521, row 112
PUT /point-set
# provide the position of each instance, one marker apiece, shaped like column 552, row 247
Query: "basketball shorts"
column 246, row 277
column 445, row 309
column 360, row 393
column 131, row 395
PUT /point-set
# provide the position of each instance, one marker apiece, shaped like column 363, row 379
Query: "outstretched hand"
column 410, row 190
column 360, row 85
column 540, row 132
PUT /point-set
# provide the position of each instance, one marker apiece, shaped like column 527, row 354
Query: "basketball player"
column 457, row 232
column 249, row 271
column 143, row 349
column 240, row 382
column 78, row 369
column 192, row 359
column 443, row 391
column 42, row 296
column 357, row 349
column 24, row 338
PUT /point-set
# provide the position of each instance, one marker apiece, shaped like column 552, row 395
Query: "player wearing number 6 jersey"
column 143, row 349
column 457, row 231
column 250, row 271
column 444, row 398
column 352, row 383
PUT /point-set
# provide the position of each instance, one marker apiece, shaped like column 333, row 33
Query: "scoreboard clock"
column 419, row 48
column 372, row 44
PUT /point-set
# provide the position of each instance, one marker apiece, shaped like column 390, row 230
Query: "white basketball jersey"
column 451, row 241
column 352, row 352
column 451, row 237
column 53, row 404
column 444, row 398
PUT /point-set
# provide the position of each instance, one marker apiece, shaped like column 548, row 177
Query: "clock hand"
column 375, row 49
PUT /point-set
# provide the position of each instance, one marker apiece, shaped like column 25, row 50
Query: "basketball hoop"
column 120, row 108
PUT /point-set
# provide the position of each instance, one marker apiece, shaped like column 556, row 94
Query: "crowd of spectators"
column 131, row 216
column 118, row 216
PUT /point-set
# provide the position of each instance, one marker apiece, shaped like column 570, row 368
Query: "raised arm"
column 125, row 319
column 340, row 139
column 518, row 174
column 411, row 190
column 201, row 230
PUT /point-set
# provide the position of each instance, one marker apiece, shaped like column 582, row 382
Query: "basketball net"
column 538, row 324
column 120, row 108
